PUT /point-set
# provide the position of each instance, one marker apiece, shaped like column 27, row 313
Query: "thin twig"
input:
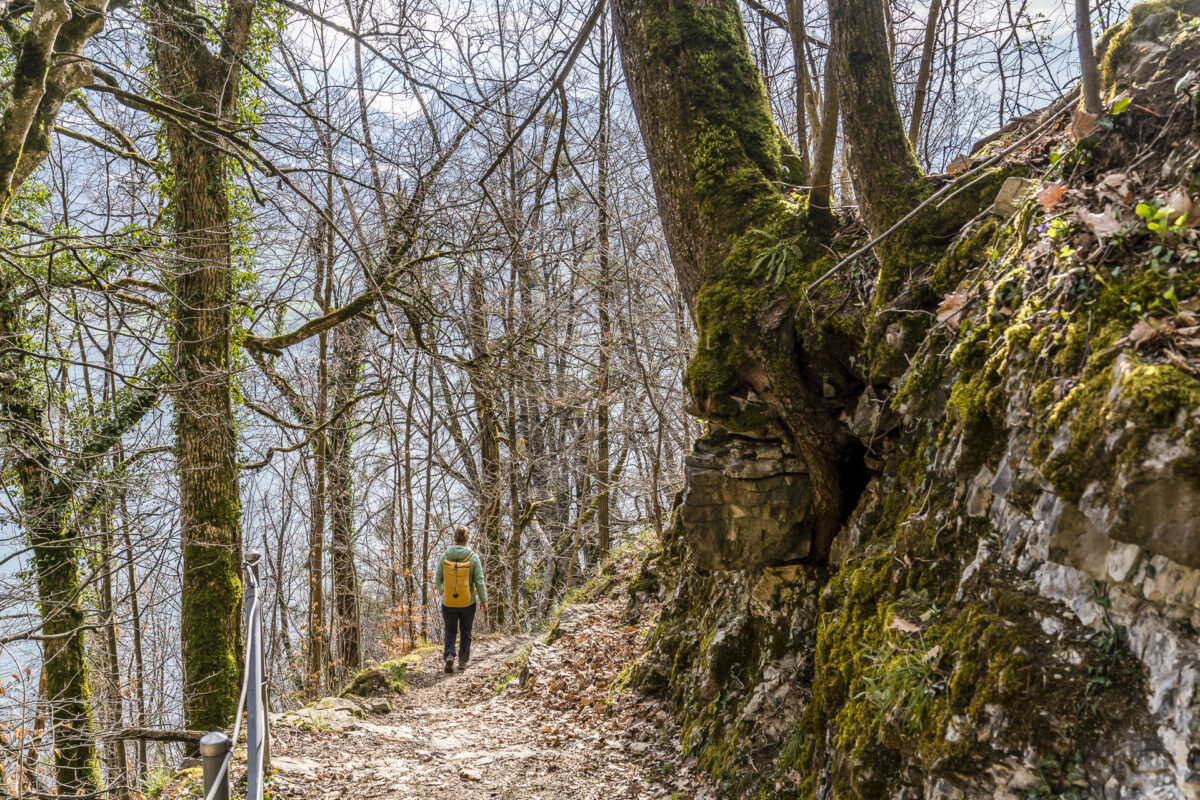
column 556, row 84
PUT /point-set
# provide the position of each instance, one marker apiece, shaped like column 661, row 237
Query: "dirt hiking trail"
column 531, row 718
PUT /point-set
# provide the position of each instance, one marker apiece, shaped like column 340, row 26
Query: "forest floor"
column 531, row 718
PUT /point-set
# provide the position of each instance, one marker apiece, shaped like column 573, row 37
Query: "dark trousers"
column 458, row 620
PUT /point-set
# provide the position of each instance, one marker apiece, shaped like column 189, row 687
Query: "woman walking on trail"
column 459, row 579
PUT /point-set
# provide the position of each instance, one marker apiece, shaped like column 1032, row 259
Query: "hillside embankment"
column 1011, row 608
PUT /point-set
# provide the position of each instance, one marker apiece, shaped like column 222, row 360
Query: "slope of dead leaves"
column 1115, row 198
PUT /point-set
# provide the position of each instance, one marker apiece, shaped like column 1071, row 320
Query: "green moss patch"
column 387, row 678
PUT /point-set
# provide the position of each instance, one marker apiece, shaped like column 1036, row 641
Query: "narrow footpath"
column 532, row 718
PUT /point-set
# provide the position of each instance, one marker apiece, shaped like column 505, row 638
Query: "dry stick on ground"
column 956, row 184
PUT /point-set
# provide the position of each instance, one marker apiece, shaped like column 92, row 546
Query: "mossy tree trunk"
column 604, row 315
column 717, row 159
column 50, row 476
column 490, row 487
column 713, row 147
column 889, row 184
column 887, row 179
column 348, row 342
column 206, row 85
column 49, row 68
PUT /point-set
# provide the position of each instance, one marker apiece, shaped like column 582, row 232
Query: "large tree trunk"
column 347, row 359
column 716, row 157
column 888, row 182
column 712, row 144
column 64, row 657
column 889, row 185
column 604, row 287
column 48, row 508
column 490, row 489
column 48, row 68
column 210, row 506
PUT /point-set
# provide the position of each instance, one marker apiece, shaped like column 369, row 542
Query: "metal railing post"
column 213, row 747
column 255, row 718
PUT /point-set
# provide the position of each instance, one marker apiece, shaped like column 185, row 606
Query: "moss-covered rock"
column 1011, row 607
column 388, row 678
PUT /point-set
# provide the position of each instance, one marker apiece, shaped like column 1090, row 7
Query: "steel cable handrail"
column 216, row 776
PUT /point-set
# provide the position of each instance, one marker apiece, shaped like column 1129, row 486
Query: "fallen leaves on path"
column 532, row 718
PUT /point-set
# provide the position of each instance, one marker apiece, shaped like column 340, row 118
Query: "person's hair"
column 462, row 535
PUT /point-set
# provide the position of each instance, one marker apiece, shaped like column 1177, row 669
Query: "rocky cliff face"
column 1012, row 609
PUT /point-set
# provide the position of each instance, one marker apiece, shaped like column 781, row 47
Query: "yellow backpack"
column 456, row 583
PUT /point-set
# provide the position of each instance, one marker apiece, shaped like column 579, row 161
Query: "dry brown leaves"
column 1175, row 338
column 953, row 307
column 903, row 626
column 1051, row 195
column 1084, row 124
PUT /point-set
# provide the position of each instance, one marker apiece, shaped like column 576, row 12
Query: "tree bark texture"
column 717, row 159
column 347, row 358
column 712, row 143
column 206, row 84
column 48, row 69
column 48, row 514
column 887, row 179
column 1090, row 73
column 604, row 301
column 490, row 491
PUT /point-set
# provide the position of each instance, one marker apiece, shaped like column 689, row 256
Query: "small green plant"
column 156, row 781
column 776, row 259
column 1058, row 229
column 1051, row 773
column 1110, row 650
column 904, row 678
column 1158, row 219
column 315, row 724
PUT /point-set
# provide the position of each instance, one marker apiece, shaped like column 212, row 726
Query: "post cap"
column 253, row 557
column 214, row 744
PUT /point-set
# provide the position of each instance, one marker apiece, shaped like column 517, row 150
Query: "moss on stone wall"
column 905, row 665
column 925, row 652
column 1113, row 47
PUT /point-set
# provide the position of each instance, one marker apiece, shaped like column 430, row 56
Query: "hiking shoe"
column 462, row 665
column 450, row 664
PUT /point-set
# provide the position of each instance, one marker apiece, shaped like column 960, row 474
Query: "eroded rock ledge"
column 747, row 503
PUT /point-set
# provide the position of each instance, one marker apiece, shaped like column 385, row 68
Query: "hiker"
column 459, row 579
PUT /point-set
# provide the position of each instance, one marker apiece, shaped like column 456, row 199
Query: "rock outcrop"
column 746, row 505
column 1012, row 608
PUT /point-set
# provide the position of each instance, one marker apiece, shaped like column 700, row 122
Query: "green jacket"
column 458, row 552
